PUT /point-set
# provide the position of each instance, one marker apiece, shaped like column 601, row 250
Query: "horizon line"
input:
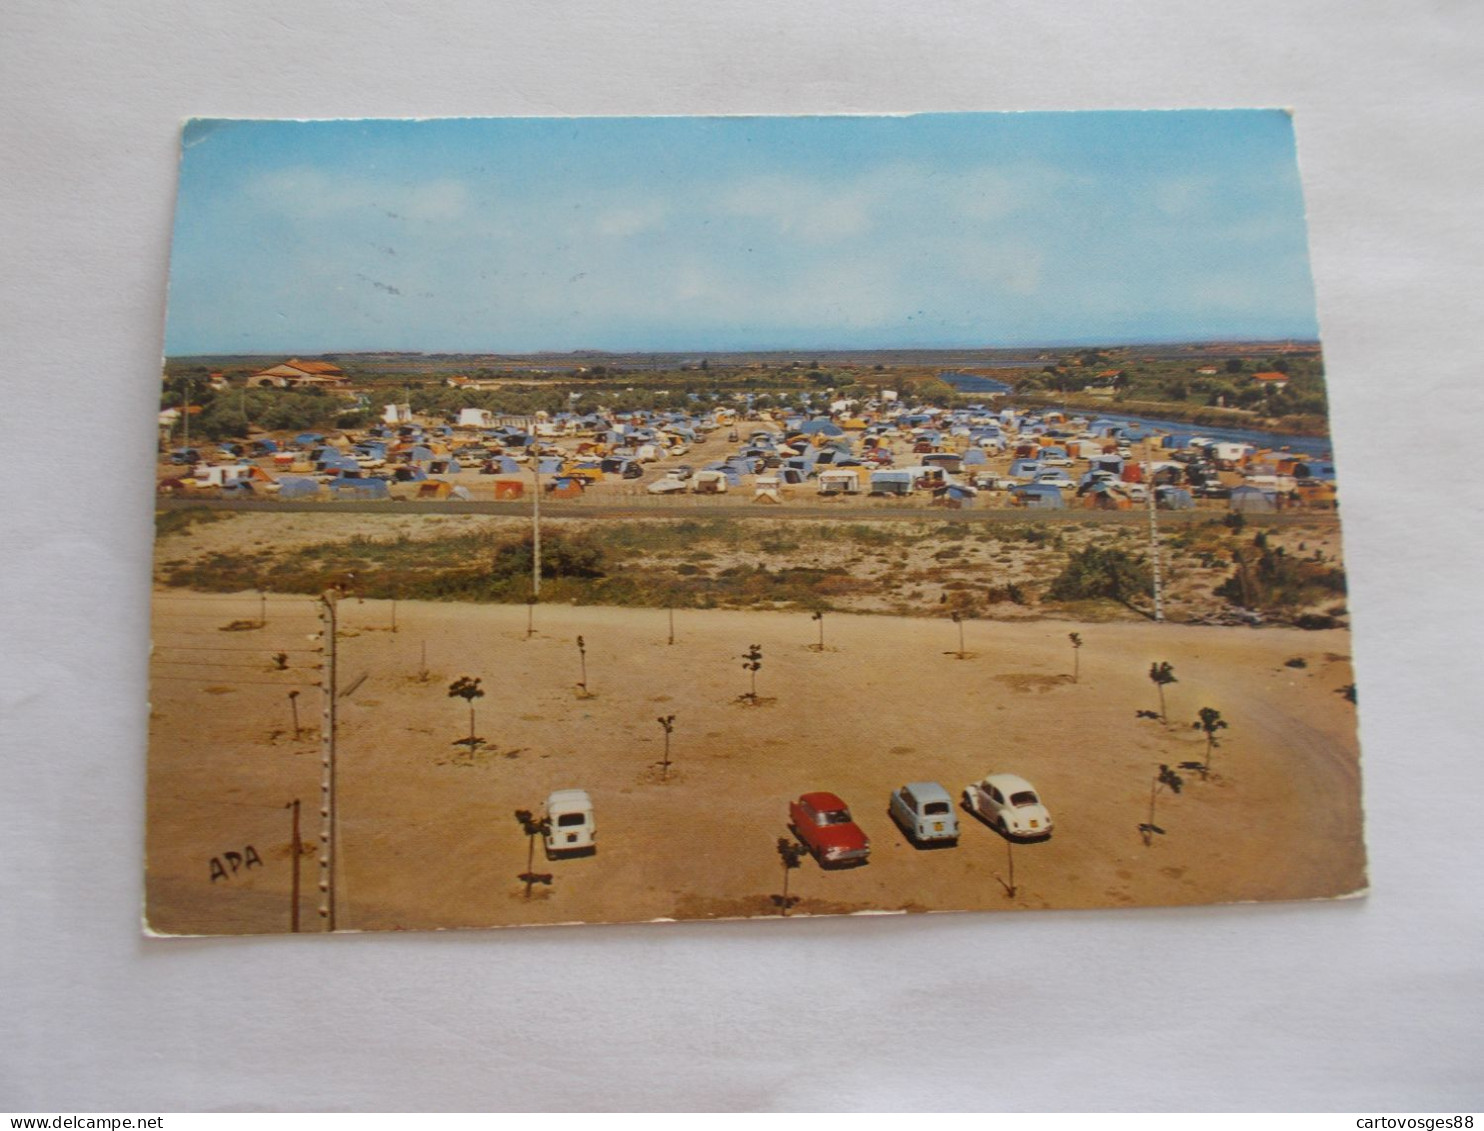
column 1102, row 344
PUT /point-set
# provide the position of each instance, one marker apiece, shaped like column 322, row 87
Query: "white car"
column 570, row 824
column 1010, row 804
column 1056, row 477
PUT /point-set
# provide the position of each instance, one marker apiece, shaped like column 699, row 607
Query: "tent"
column 358, row 489
column 1038, row 496
column 1173, row 499
column 297, row 487
column 1253, row 500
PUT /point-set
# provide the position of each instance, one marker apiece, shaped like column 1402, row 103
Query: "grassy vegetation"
column 925, row 568
column 180, row 520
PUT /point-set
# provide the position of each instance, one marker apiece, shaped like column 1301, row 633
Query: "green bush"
column 1103, row 573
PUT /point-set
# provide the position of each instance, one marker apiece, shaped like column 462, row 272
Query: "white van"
column 570, row 826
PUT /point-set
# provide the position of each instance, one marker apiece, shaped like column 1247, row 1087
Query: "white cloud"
column 800, row 209
column 630, row 220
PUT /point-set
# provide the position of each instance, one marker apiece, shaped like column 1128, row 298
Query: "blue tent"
column 1025, row 468
column 358, row 489
column 975, row 457
column 1039, row 496
column 1173, row 499
column 822, row 428
column 297, row 487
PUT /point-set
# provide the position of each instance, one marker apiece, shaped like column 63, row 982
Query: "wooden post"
column 327, row 765
column 296, row 848
column 1159, row 608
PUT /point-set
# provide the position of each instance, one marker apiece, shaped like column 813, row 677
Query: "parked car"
column 924, row 811
column 823, row 824
column 1010, row 804
column 570, row 827
column 1054, row 477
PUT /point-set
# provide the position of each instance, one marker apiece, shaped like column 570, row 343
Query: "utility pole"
column 327, row 764
column 536, row 523
column 296, row 849
column 1159, row 607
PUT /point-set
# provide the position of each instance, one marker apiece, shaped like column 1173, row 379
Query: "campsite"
column 841, row 595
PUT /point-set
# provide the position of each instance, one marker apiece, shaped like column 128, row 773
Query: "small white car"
column 1010, row 804
column 1054, row 477
column 570, row 825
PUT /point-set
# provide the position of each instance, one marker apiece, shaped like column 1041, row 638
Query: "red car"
column 822, row 822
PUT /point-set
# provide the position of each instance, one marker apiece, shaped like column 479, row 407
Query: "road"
column 694, row 506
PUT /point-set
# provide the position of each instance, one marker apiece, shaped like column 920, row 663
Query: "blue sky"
column 951, row 230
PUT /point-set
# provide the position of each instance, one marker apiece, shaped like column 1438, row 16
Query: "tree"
column 790, row 853
column 1165, row 778
column 752, row 662
column 819, row 616
column 582, row 654
column 1162, row 673
column 668, row 723
column 533, row 827
column 1210, row 722
column 1076, row 639
column 467, row 688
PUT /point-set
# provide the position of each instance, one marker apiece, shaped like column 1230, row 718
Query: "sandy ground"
column 427, row 837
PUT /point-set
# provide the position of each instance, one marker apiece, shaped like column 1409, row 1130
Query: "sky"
column 523, row 235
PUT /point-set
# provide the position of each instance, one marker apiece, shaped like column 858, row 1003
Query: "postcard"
column 638, row 519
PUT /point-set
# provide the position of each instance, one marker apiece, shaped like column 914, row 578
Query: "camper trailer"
column 891, row 482
column 840, row 481
column 709, row 483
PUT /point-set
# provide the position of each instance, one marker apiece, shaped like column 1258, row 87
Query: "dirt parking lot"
column 427, row 836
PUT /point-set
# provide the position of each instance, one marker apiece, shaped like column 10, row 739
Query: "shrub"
column 1098, row 572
